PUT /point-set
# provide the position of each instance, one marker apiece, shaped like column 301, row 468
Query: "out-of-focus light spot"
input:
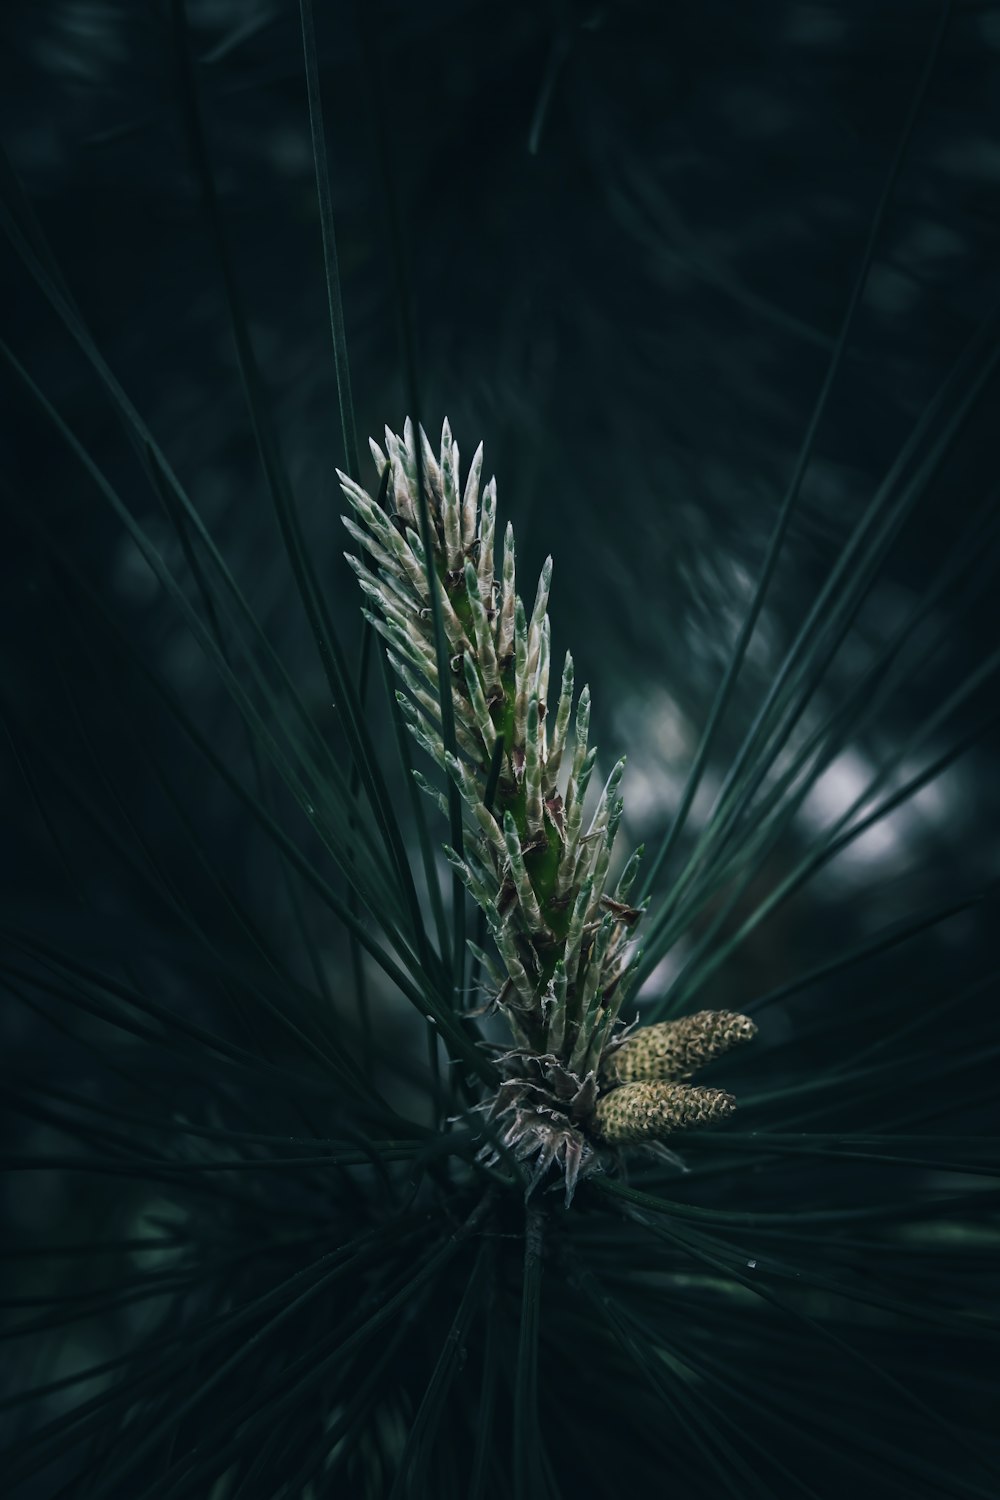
column 662, row 747
column 663, row 975
column 888, row 842
column 131, row 575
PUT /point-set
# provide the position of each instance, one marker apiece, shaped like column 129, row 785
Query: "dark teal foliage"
column 717, row 286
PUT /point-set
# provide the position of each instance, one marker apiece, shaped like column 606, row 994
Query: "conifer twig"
column 577, row 1081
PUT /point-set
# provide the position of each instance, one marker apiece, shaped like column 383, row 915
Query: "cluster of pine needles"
column 522, row 1246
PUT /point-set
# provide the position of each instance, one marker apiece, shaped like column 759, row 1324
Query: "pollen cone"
column 676, row 1049
column 641, row 1112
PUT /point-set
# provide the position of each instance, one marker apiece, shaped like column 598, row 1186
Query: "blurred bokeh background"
column 631, row 233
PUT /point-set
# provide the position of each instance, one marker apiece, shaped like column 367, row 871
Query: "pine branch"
column 576, row 1079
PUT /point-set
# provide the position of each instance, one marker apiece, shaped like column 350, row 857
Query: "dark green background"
column 630, row 234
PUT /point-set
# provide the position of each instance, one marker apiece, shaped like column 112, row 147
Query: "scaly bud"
column 576, row 1078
